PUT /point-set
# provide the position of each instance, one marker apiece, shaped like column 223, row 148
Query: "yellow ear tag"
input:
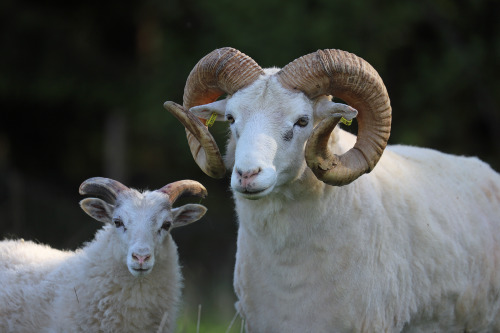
column 345, row 121
column 211, row 120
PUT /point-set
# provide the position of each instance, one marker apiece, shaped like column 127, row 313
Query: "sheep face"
column 267, row 136
column 313, row 78
column 142, row 224
column 269, row 128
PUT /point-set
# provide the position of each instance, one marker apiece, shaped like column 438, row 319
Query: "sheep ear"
column 187, row 214
column 205, row 111
column 97, row 209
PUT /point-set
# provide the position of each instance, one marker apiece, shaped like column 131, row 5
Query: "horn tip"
column 83, row 186
column 167, row 104
column 202, row 190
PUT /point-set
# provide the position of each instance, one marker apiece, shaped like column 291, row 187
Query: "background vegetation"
column 82, row 85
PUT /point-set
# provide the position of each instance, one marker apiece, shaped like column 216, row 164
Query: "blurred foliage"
column 82, row 85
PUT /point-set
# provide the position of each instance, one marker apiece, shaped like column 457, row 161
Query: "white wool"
column 412, row 246
column 94, row 289
column 374, row 255
column 84, row 291
column 118, row 301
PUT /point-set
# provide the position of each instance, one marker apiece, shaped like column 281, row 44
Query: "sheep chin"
column 140, row 271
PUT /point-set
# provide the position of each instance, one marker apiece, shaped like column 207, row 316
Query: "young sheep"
column 126, row 280
column 413, row 246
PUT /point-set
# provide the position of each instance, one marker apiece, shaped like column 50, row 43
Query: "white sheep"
column 325, row 245
column 126, row 280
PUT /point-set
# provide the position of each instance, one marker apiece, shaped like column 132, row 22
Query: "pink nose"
column 141, row 259
column 246, row 178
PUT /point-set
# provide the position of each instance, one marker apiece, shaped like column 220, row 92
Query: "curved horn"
column 181, row 188
column 105, row 188
column 344, row 75
column 202, row 144
column 224, row 70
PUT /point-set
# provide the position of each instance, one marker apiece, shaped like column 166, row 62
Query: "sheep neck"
column 121, row 289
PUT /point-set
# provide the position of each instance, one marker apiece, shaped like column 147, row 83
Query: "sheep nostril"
column 239, row 172
column 141, row 259
column 251, row 174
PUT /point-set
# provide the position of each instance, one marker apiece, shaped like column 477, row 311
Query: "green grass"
column 208, row 323
column 217, row 313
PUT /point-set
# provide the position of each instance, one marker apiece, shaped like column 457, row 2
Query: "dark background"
column 82, row 85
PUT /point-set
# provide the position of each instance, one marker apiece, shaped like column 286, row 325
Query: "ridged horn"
column 104, row 188
column 347, row 76
column 181, row 188
column 222, row 71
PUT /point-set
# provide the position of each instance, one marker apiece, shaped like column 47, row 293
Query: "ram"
column 339, row 233
column 127, row 279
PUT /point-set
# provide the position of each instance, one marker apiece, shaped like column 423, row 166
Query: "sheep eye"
column 166, row 225
column 119, row 223
column 302, row 122
column 230, row 118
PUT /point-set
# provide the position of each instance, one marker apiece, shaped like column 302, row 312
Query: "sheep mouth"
column 254, row 194
column 247, row 192
column 140, row 271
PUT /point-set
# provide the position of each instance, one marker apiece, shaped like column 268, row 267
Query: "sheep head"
column 141, row 220
column 275, row 114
